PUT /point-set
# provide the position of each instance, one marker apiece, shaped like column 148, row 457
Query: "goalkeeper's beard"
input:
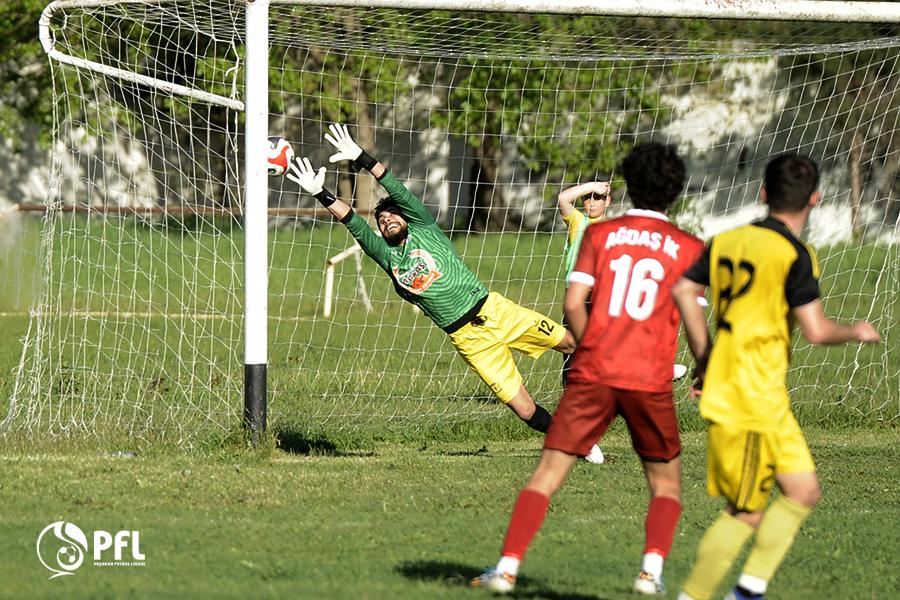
column 396, row 238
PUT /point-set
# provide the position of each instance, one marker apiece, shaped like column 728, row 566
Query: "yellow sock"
column 774, row 537
column 718, row 548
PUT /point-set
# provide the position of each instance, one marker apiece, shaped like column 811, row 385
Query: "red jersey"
column 631, row 263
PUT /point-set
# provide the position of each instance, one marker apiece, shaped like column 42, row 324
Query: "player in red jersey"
column 623, row 364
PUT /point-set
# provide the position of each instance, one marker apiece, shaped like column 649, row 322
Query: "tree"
column 25, row 78
column 339, row 86
column 571, row 111
column 857, row 93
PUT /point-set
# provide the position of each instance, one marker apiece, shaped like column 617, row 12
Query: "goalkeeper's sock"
column 718, row 548
column 527, row 518
column 774, row 537
column 540, row 420
column 662, row 518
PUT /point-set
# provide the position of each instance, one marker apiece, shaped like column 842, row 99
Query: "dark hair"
column 790, row 180
column 654, row 174
column 386, row 204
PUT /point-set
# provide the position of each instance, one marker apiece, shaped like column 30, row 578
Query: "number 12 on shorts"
column 635, row 286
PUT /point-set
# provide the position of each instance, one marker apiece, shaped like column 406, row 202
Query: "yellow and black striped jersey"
column 756, row 274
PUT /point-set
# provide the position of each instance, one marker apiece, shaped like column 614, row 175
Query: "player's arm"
column 313, row 182
column 347, row 149
column 574, row 305
column 801, row 291
column 581, row 282
column 686, row 293
column 566, row 199
column 819, row 329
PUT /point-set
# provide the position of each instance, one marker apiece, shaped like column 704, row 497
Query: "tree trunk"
column 489, row 207
column 856, row 184
column 361, row 187
column 892, row 177
column 364, row 191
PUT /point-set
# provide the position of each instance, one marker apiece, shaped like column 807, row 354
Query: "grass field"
column 388, row 472
column 406, row 521
column 143, row 338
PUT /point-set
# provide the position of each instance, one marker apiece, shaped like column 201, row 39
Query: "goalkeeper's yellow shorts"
column 741, row 465
column 486, row 342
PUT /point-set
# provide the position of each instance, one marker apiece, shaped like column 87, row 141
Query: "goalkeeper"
column 420, row 260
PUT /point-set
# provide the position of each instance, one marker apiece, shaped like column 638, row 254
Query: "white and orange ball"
column 280, row 155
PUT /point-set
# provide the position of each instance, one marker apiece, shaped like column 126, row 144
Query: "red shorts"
column 587, row 410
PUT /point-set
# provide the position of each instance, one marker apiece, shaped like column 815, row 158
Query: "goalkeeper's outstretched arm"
column 347, row 149
column 313, row 182
column 339, row 137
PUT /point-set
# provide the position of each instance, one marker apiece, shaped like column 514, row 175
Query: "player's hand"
column 696, row 389
column 302, row 174
column 339, row 137
column 865, row 332
column 599, row 190
column 697, row 384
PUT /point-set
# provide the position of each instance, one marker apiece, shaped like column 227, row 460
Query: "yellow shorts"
column 742, row 465
column 507, row 326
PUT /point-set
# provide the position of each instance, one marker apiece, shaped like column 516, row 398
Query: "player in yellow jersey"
column 763, row 279
column 595, row 198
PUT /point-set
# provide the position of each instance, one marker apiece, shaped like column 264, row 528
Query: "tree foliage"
column 563, row 98
column 25, row 79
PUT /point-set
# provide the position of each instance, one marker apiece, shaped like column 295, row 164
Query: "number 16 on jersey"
column 635, row 286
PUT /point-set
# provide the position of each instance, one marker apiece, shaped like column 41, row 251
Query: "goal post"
column 789, row 10
column 178, row 277
column 256, row 217
column 355, row 252
column 255, row 210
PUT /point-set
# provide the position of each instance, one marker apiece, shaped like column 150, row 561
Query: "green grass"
column 138, row 361
column 385, row 473
column 409, row 521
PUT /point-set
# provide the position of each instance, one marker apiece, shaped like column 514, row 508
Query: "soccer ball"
column 67, row 556
column 279, row 156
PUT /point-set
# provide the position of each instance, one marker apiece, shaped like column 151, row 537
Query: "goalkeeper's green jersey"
column 426, row 269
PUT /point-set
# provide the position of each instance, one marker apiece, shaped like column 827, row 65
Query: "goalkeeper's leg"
column 533, row 414
column 493, row 361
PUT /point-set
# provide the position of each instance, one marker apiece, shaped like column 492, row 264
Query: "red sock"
column 527, row 517
column 662, row 517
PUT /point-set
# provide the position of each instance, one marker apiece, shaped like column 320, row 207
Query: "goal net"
column 137, row 330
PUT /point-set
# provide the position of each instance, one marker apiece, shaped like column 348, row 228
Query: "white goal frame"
column 254, row 103
column 355, row 252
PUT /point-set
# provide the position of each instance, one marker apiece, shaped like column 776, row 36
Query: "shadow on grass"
column 292, row 441
column 459, row 575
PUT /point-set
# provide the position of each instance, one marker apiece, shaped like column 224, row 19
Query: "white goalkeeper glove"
column 302, row 174
column 339, row 137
